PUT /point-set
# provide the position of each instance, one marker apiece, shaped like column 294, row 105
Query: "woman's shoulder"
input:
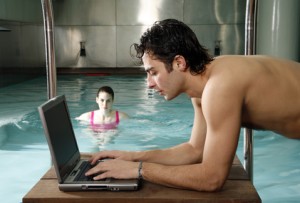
column 122, row 115
column 85, row 116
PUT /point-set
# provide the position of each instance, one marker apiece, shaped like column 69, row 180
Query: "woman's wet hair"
column 108, row 90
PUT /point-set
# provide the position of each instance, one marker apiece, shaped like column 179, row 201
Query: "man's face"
column 165, row 83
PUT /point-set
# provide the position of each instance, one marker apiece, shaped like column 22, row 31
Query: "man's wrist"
column 140, row 170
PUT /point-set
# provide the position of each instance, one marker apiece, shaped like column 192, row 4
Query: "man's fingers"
column 101, row 176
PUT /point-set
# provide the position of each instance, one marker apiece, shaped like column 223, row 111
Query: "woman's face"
column 105, row 101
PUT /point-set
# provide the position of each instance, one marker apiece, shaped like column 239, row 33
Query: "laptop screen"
column 60, row 133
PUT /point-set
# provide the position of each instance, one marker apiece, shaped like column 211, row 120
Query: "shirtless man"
column 227, row 93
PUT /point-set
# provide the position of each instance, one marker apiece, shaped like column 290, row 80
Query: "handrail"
column 250, row 39
column 248, row 152
column 49, row 46
column 250, row 27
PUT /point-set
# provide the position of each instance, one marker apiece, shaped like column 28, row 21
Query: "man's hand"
column 115, row 168
column 123, row 155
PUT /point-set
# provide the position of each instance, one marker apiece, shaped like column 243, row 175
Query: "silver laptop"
column 69, row 167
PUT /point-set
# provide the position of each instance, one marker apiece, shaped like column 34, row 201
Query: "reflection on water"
column 101, row 137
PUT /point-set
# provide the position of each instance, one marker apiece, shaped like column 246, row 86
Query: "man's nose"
column 150, row 83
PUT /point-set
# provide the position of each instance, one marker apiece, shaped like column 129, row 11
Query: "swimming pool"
column 152, row 125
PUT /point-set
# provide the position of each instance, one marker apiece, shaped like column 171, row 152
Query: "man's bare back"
column 271, row 91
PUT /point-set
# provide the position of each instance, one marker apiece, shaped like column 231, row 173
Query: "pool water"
column 154, row 123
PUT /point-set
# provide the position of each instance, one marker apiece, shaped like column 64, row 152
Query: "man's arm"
column 187, row 153
column 221, row 110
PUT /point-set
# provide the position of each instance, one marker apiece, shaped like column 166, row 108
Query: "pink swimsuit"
column 104, row 126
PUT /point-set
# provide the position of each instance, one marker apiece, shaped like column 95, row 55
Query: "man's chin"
column 168, row 98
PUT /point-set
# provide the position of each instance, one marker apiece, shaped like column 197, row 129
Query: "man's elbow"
column 211, row 184
column 215, row 185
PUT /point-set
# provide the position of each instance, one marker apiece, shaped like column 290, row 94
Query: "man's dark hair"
column 170, row 37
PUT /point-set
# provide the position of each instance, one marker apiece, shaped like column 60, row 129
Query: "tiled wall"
column 109, row 27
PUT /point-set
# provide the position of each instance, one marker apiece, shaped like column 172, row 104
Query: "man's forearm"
column 177, row 155
column 194, row 177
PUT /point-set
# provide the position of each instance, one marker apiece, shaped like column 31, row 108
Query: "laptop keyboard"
column 85, row 166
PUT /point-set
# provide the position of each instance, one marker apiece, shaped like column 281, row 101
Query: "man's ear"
column 179, row 63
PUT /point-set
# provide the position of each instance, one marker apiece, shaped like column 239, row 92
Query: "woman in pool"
column 105, row 118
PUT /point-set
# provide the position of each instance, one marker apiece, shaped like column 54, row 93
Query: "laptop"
column 69, row 166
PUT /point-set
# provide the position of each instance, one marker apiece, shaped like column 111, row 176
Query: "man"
column 227, row 92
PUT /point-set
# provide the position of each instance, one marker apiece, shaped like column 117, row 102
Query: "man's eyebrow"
column 148, row 69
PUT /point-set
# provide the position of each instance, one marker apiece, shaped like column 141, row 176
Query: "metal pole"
column 250, row 27
column 49, row 46
column 250, row 39
column 248, row 152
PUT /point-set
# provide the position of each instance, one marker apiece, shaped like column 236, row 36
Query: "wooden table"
column 238, row 188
